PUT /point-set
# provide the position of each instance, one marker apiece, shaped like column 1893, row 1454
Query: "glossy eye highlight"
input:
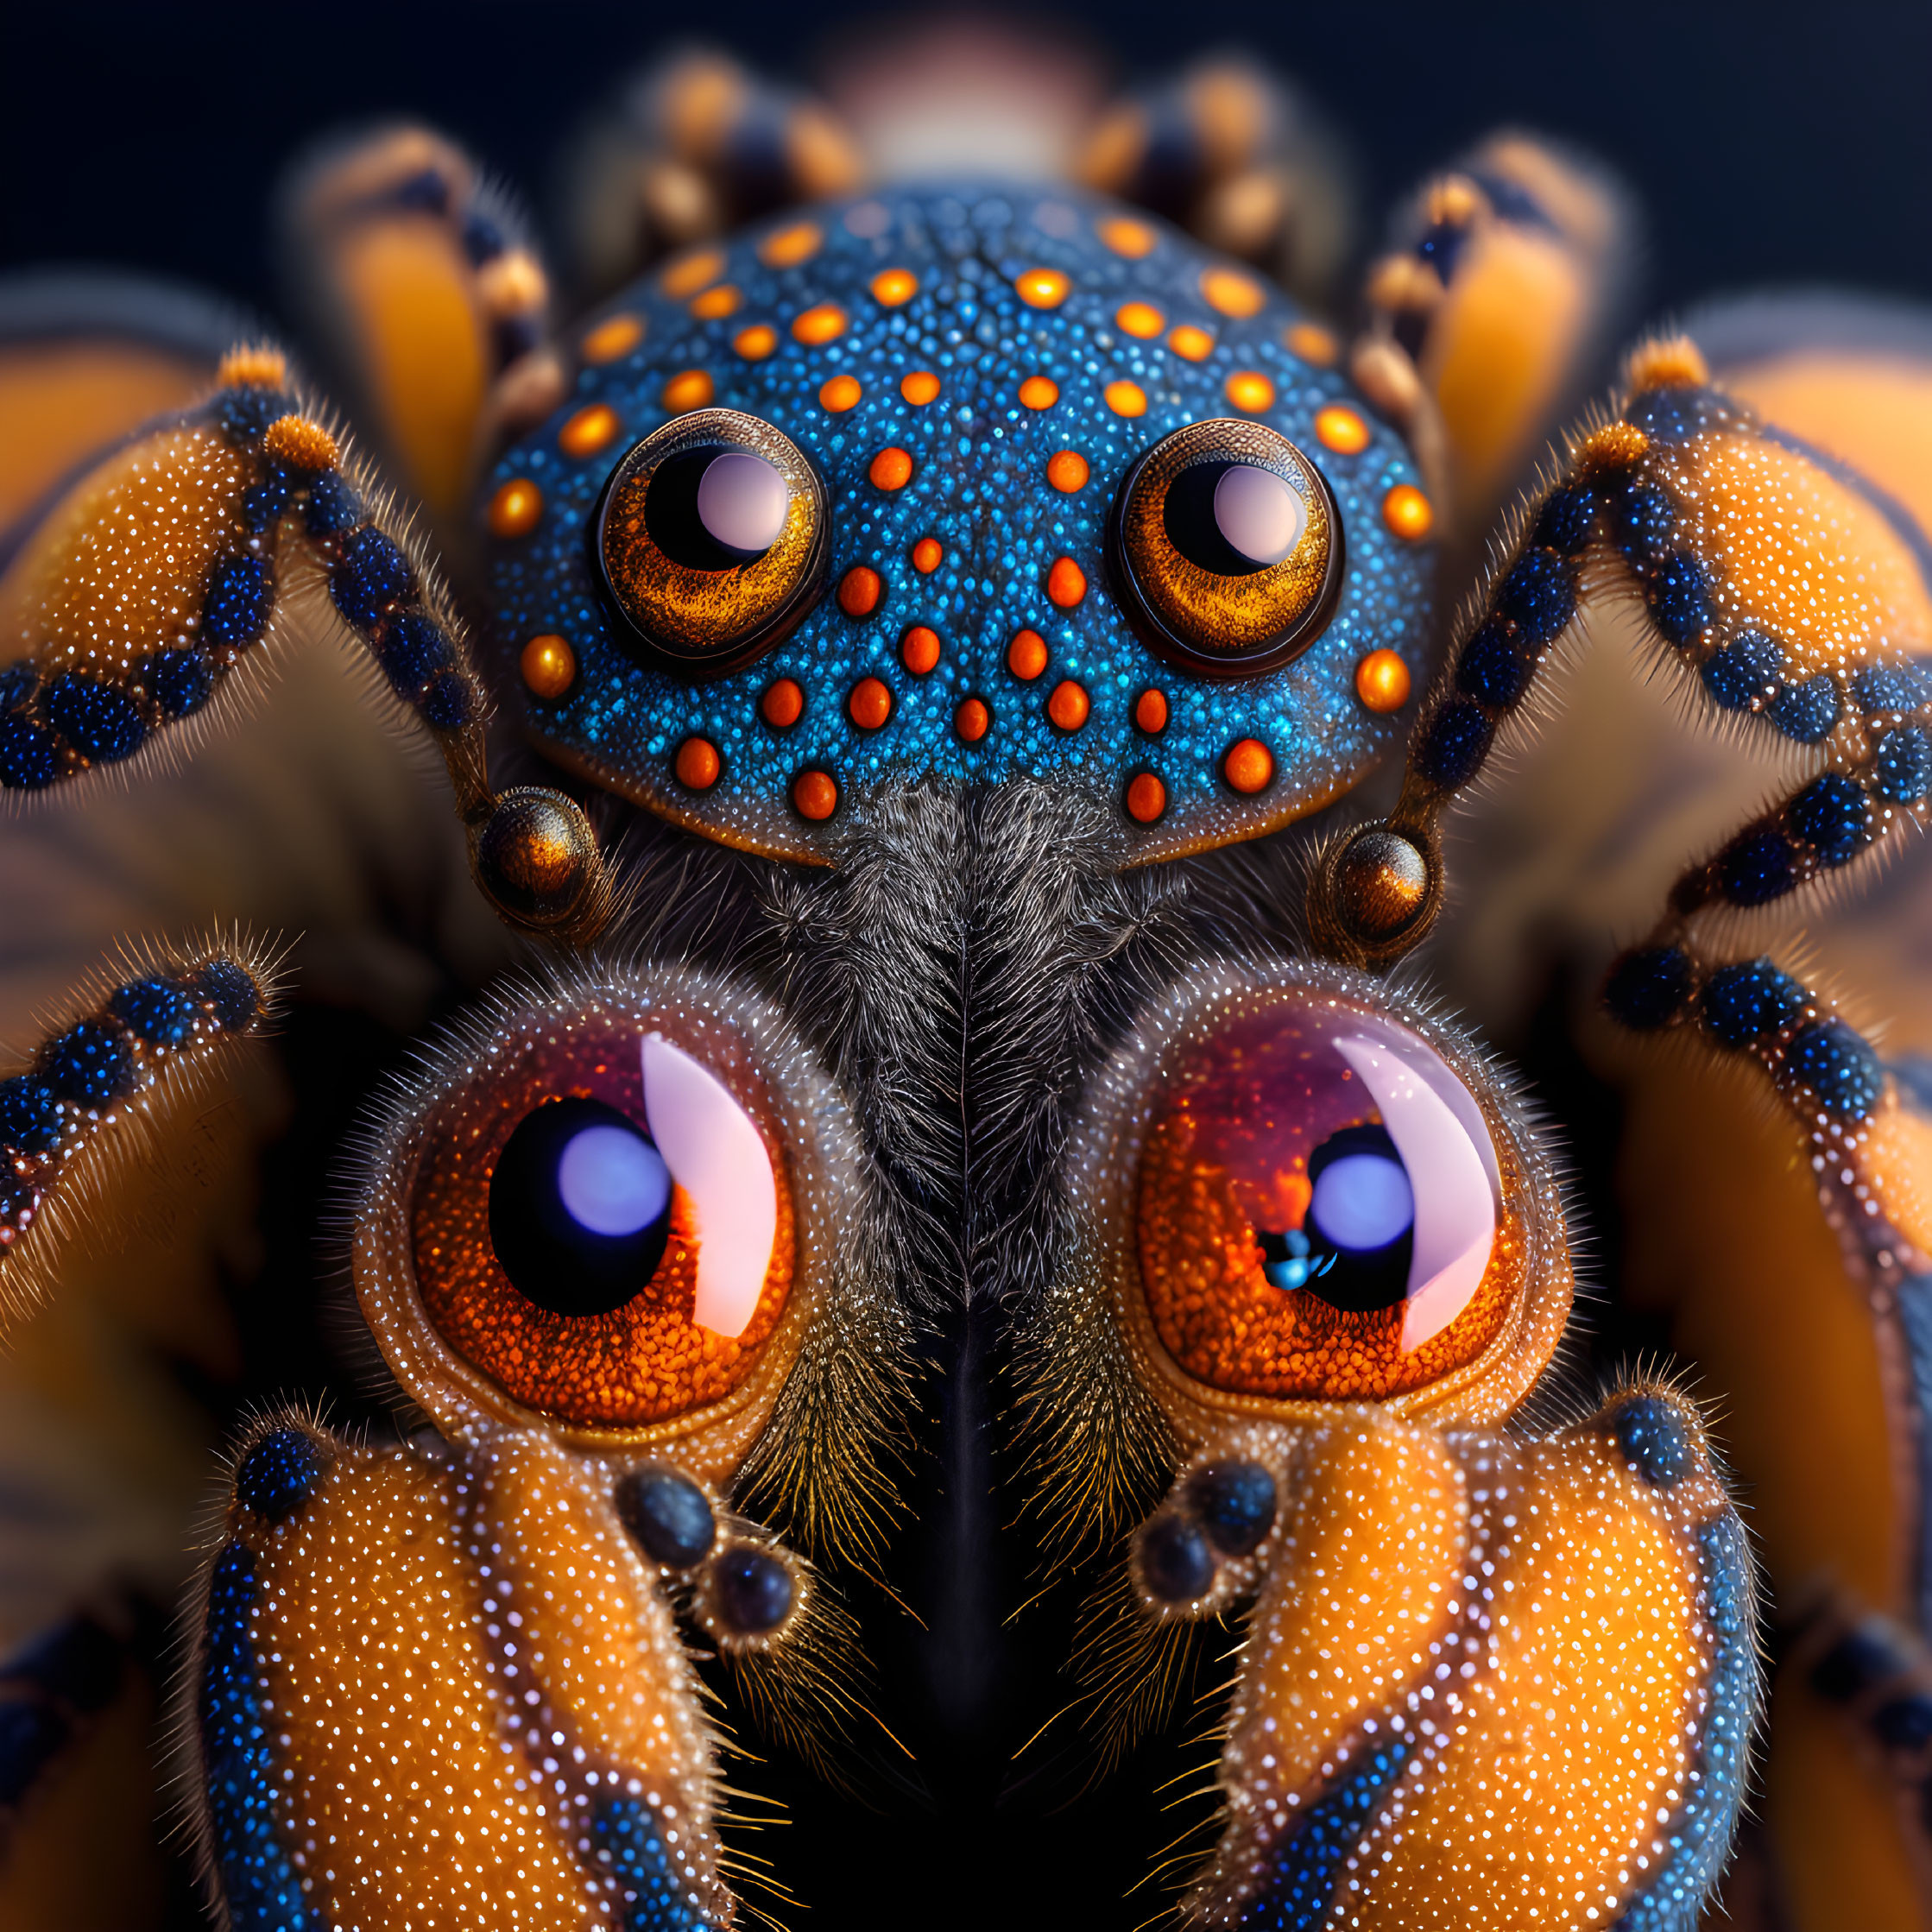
column 711, row 539
column 1320, row 1210
column 1228, row 549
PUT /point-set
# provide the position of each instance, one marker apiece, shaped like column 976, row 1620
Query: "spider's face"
column 971, row 485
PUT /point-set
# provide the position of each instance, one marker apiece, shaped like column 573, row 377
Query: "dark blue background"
column 1767, row 144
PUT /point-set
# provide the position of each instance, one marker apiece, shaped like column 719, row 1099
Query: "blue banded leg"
column 696, row 147
column 428, row 295
column 76, row 1718
column 101, row 1089
column 1236, row 155
column 1785, row 589
column 1491, row 312
column 170, row 571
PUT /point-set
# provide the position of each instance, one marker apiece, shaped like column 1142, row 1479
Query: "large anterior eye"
column 712, row 540
column 1228, row 549
column 598, row 1224
column 1320, row 1210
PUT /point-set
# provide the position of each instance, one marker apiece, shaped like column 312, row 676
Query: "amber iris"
column 1229, row 549
column 712, row 541
column 643, row 1361
column 1242, row 1288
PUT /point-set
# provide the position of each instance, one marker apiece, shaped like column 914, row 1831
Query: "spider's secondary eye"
column 1321, row 1210
column 598, row 1225
column 1228, row 549
column 712, row 540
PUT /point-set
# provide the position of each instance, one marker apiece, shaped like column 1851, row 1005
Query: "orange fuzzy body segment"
column 1796, row 551
column 398, row 1623
column 1373, row 1549
column 604, row 1648
column 1532, row 1625
column 115, row 571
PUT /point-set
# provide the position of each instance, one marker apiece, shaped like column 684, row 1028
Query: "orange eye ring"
column 708, row 590
column 1225, row 611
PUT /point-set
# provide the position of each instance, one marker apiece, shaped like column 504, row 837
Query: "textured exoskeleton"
column 948, row 1207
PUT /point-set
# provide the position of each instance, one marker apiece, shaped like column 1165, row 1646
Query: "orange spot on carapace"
column 1140, row 319
column 1066, row 582
column 1146, row 798
column 1066, row 470
column 859, row 590
column 690, row 389
column 1043, row 287
column 1248, row 765
column 1230, row 291
column 1190, row 343
column 824, row 323
column 690, row 273
column 786, row 248
column 783, row 704
column 1407, row 512
column 1340, row 429
column 1126, row 236
column 918, row 386
column 816, row 795
column 755, row 343
column 1150, row 712
column 1039, row 392
column 549, row 665
column 1313, row 343
column 697, row 764
column 840, row 392
column 615, row 336
column 1248, row 388
column 894, row 287
column 1068, row 706
column 919, row 650
column 1382, row 681
column 1126, row 399
column 1027, row 654
column 869, row 704
column 892, row 468
column 972, row 721
column 715, row 303
column 592, row 429
column 516, row 508
column 928, row 553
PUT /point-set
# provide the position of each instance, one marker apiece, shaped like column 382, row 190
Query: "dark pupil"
column 715, row 507
column 579, row 1207
column 1359, row 1232
column 1199, row 527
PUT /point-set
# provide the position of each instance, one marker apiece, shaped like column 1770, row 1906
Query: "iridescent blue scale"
column 978, row 488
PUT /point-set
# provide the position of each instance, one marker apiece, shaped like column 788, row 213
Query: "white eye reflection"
column 1258, row 514
column 612, row 1181
column 718, row 1157
column 741, row 501
column 1450, row 1165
